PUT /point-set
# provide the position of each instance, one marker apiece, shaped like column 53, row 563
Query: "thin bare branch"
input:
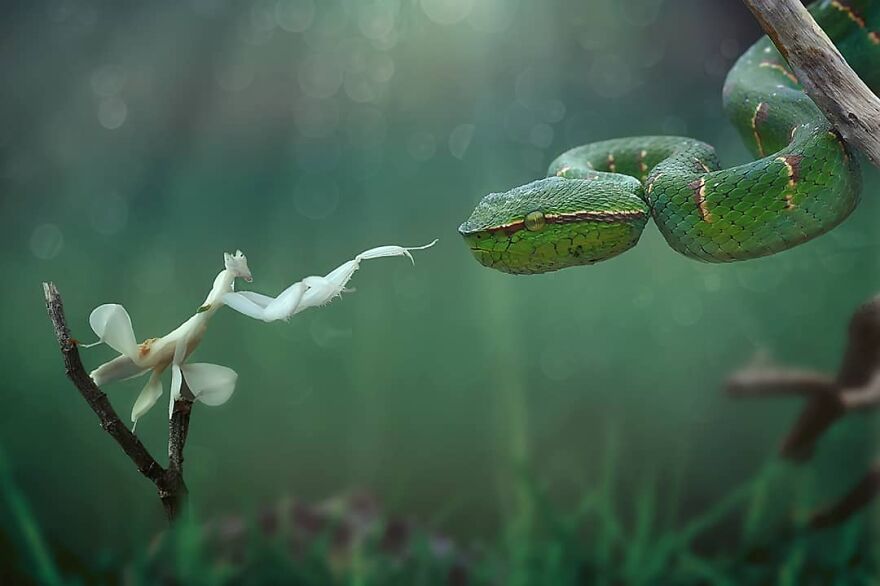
column 847, row 102
column 855, row 500
column 759, row 382
column 855, row 387
column 176, row 493
column 178, row 429
column 97, row 400
column 865, row 397
column 817, row 416
column 169, row 483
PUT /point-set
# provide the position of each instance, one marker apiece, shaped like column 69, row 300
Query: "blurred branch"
column 855, row 387
column 169, row 483
column 856, row 499
column 847, row 102
column 759, row 382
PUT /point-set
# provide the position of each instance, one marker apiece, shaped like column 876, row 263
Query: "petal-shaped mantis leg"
column 211, row 384
column 148, row 397
column 120, row 368
column 112, row 325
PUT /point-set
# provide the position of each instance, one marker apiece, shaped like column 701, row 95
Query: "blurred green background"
column 141, row 140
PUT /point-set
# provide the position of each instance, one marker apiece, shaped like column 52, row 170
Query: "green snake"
column 597, row 198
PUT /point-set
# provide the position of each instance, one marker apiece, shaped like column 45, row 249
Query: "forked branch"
column 169, row 483
column 855, row 387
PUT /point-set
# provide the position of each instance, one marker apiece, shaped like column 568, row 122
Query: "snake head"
column 555, row 223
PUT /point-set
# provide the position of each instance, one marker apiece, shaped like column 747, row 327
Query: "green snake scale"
column 597, row 198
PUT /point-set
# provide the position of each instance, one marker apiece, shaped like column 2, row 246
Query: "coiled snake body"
column 597, row 198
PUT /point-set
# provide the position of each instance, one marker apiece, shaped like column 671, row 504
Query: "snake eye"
column 534, row 221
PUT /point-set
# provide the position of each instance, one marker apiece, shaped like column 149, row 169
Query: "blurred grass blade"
column 640, row 543
column 32, row 542
column 610, row 530
column 703, row 571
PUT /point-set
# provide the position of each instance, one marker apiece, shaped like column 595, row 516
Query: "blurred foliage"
column 346, row 540
column 141, row 140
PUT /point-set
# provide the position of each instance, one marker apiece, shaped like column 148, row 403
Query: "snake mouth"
column 484, row 241
column 464, row 230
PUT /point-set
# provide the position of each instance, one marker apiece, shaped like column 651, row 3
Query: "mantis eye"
column 534, row 221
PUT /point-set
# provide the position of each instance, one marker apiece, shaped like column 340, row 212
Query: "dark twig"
column 855, row 387
column 178, row 429
column 97, row 400
column 847, row 102
column 856, row 499
column 758, row 382
column 169, row 483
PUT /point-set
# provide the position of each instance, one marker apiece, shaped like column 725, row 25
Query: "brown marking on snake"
column 650, row 187
column 851, row 14
column 856, row 18
column 612, row 166
column 569, row 217
column 699, row 188
column 759, row 117
column 509, row 227
column 793, row 167
column 594, row 216
column 780, row 68
column 702, row 165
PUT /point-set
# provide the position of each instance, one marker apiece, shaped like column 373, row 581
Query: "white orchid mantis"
column 210, row 384
column 312, row 291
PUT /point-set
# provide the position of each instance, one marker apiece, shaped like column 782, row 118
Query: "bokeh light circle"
column 447, row 11
column 46, row 241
